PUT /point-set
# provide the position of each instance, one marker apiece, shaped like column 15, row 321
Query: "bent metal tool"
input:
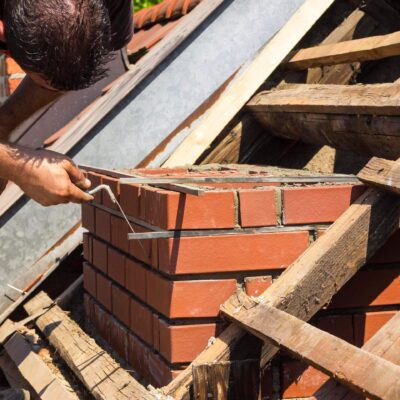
column 113, row 198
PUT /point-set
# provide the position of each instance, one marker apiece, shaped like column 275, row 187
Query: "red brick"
column 257, row 285
column 183, row 343
column 159, row 372
column 135, row 278
column 88, row 217
column 99, row 255
column 156, row 333
column 12, row 67
column 89, row 279
column 141, row 321
column 101, row 322
column 172, row 210
column 377, row 287
column 119, row 233
column 188, row 299
column 318, row 204
column 116, row 266
column 337, row 325
column 366, row 325
column 138, row 356
column 103, row 224
column 389, row 253
column 257, row 208
column 130, row 199
column 121, row 305
column 87, row 247
column 231, row 253
column 96, row 180
column 88, row 306
column 144, row 250
column 115, row 188
column 103, row 293
column 299, row 380
column 119, row 338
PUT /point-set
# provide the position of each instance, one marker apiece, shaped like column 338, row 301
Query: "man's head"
column 64, row 42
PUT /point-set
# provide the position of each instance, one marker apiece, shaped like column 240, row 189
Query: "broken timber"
column 371, row 48
column 101, row 375
column 363, row 119
column 368, row 374
column 318, row 274
column 246, row 82
column 385, row 343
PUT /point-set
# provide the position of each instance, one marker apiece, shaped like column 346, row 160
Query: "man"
column 62, row 45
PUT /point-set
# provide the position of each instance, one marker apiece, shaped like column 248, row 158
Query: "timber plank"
column 95, row 368
column 246, row 82
column 359, row 50
column 313, row 279
column 385, row 344
column 381, row 173
column 360, row 370
column 35, row 371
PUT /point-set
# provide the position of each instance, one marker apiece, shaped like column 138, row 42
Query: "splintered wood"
column 96, row 369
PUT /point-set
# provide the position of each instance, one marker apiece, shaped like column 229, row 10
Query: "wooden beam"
column 362, row 371
column 381, row 173
column 246, row 82
column 227, row 380
column 371, row 48
column 385, row 343
column 316, row 276
column 101, row 375
column 35, row 371
column 362, row 119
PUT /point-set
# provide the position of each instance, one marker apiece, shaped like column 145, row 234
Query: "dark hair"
column 67, row 42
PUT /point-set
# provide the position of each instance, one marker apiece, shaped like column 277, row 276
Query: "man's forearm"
column 28, row 99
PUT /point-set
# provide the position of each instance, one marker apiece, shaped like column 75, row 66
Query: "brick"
column 87, row 244
column 389, row 253
column 299, row 380
column 101, row 322
column 88, row 217
column 88, row 306
column 12, row 67
column 116, row 266
column 257, row 285
column 183, row 343
column 119, row 338
column 103, row 293
column 337, row 325
column 103, row 224
column 130, row 199
column 375, row 287
column 257, row 208
column 96, row 180
column 318, row 204
column 121, row 305
column 135, row 278
column 144, row 250
column 119, row 233
column 367, row 324
column 13, row 84
column 231, row 253
column 172, row 210
column 115, row 188
column 141, row 321
column 188, row 299
column 89, row 279
column 138, row 355
column 159, row 372
column 100, row 255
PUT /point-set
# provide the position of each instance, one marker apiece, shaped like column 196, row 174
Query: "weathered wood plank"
column 371, row 48
column 381, row 173
column 385, row 343
column 319, row 273
column 356, row 118
column 94, row 367
column 35, row 371
column 227, row 380
column 246, row 82
column 367, row 373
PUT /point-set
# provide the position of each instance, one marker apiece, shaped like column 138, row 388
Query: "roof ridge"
column 165, row 11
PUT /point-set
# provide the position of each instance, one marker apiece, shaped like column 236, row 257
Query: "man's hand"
column 48, row 177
